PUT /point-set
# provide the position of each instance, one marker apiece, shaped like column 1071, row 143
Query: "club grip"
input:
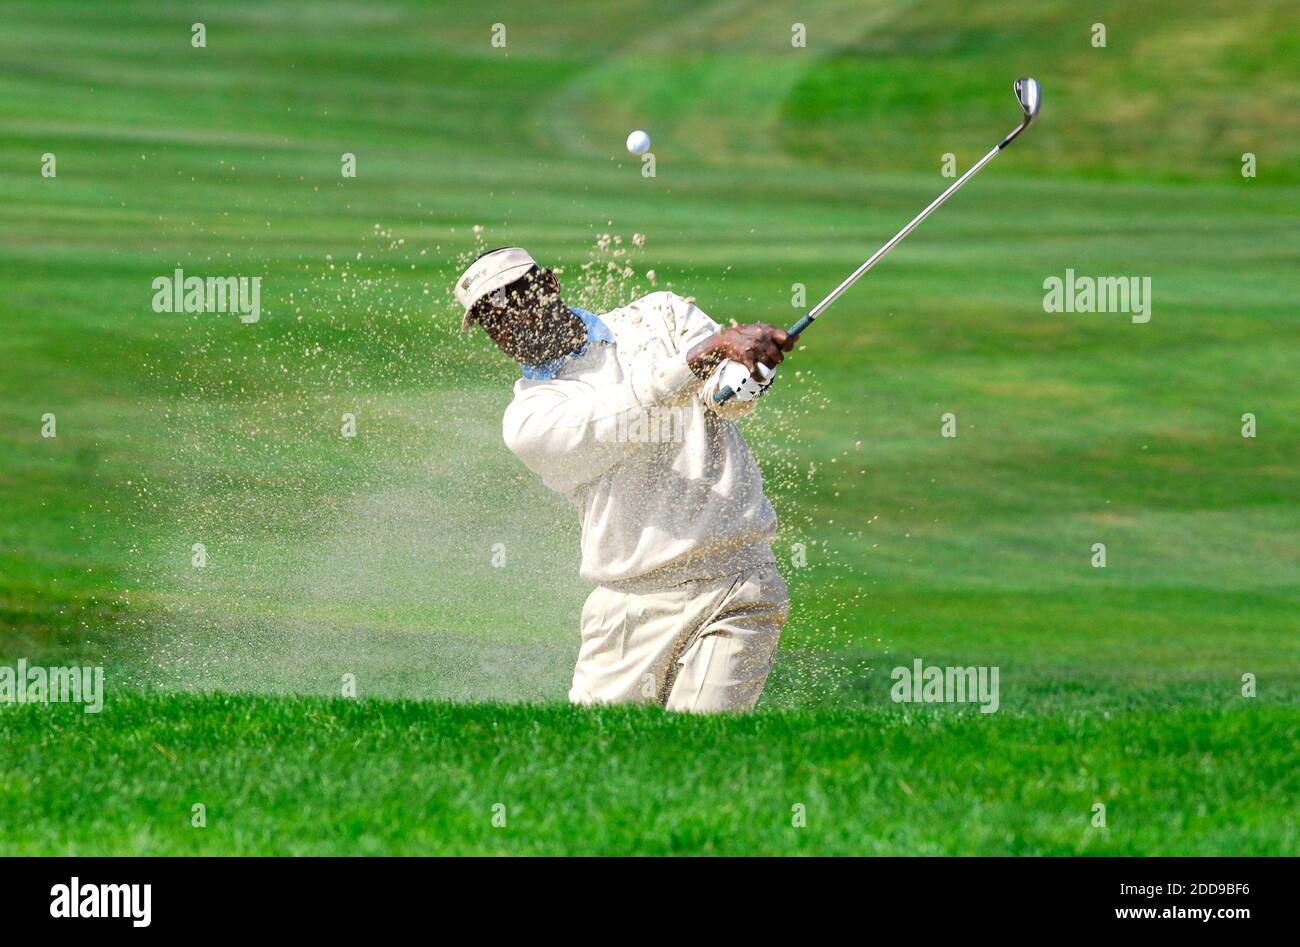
column 799, row 326
column 723, row 395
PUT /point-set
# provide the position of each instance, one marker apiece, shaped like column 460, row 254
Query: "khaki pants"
column 700, row 646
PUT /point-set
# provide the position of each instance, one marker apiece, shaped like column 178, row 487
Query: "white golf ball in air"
column 638, row 142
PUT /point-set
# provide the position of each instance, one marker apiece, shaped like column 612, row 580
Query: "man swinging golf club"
column 618, row 413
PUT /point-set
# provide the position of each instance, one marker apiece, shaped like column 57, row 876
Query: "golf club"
column 1029, row 95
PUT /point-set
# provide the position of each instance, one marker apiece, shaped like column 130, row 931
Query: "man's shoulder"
column 649, row 313
column 659, row 300
column 574, row 370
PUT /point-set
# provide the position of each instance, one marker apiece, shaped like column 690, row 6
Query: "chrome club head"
column 1030, row 96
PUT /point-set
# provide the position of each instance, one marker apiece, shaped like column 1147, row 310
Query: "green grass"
column 312, row 776
column 776, row 165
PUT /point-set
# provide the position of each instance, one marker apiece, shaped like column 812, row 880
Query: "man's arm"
column 569, row 432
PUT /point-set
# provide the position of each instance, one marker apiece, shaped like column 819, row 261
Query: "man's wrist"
column 704, row 357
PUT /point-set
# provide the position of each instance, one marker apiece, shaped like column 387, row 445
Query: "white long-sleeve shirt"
column 666, row 488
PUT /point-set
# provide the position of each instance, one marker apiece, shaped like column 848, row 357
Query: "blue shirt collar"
column 597, row 331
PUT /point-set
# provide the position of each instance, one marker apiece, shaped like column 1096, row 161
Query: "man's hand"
column 747, row 345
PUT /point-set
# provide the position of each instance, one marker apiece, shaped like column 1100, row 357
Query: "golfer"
column 616, row 412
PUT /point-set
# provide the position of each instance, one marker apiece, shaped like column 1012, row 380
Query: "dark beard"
column 560, row 333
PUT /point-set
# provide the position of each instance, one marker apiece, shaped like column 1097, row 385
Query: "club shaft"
column 894, row 241
column 726, row 394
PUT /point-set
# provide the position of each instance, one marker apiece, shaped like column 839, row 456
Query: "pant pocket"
column 604, row 620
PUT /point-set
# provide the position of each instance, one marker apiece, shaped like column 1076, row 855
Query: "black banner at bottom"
column 339, row 895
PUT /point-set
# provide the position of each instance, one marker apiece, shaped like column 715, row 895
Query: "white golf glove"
column 736, row 376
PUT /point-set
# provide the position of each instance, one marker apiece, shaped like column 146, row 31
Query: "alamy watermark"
column 946, row 685
column 75, row 899
column 237, row 294
column 53, row 685
column 1128, row 294
column 654, row 424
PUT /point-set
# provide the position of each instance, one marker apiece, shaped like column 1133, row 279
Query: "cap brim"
column 498, row 281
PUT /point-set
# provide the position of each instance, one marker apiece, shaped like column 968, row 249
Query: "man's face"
column 530, row 323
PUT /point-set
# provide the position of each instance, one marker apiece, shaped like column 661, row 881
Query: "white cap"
column 489, row 273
